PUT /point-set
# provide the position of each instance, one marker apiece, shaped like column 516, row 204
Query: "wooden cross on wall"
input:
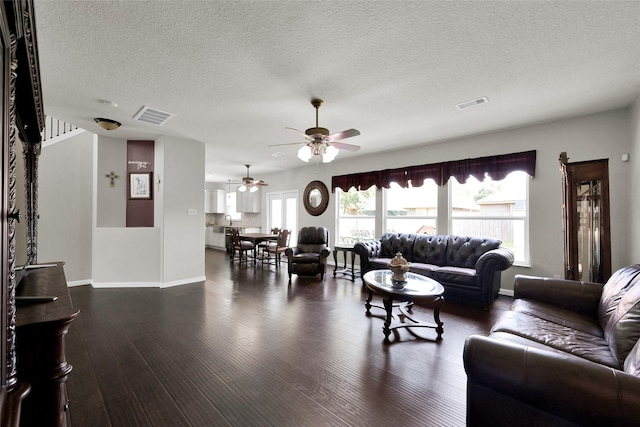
column 112, row 176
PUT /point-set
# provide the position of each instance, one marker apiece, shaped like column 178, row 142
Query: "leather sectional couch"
column 567, row 353
column 469, row 268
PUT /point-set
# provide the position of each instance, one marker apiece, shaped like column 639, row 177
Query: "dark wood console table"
column 40, row 351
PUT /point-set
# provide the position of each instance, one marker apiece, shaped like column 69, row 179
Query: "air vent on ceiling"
column 153, row 116
column 472, row 103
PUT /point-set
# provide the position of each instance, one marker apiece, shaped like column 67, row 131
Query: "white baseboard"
column 79, row 283
column 507, row 292
column 183, row 282
column 106, row 285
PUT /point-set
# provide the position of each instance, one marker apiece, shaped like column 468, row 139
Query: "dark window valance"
column 496, row 167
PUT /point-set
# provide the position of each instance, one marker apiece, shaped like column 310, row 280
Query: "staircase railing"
column 54, row 128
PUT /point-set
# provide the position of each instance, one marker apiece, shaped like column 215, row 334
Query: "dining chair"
column 262, row 246
column 277, row 248
column 242, row 247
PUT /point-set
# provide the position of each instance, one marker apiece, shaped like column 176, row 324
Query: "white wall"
column 634, row 182
column 65, row 205
column 74, row 193
column 126, row 257
column 183, row 190
column 111, row 208
column 598, row 136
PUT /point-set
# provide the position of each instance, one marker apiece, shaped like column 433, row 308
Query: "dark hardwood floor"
column 245, row 348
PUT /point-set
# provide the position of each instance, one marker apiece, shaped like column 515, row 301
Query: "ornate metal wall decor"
column 11, row 375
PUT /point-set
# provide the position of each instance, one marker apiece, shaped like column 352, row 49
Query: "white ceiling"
column 236, row 73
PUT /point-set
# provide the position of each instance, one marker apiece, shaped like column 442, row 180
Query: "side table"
column 345, row 249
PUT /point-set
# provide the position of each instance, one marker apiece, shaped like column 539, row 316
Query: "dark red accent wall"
column 140, row 160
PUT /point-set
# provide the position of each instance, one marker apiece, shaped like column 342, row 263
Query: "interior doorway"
column 585, row 211
column 283, row 213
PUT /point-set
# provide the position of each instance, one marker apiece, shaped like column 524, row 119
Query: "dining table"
column 257, row 238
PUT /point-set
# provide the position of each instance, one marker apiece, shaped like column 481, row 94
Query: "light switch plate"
column 192, row 212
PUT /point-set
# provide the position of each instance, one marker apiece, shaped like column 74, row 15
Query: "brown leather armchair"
column 309, row 257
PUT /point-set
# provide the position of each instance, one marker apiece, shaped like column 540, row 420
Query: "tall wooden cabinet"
column 40, row 334
column 586, row 224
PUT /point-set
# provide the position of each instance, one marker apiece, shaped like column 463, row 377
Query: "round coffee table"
column 416, row 288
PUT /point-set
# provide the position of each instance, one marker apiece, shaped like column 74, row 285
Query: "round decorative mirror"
column 316, row 198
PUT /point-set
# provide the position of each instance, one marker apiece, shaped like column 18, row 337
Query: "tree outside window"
column 356, row 215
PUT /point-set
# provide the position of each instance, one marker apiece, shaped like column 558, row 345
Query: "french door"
column 283, row 213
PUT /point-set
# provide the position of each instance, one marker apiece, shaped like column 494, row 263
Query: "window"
column 496, row 209
column 412, row 209
column 356, row 215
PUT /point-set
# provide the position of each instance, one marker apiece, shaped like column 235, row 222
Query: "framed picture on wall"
column 140, row 185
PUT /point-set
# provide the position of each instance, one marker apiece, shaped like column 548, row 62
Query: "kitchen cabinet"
column 214, row 201
column 218, row 241
column 208, row 236
column 214, row 237
column 248, row 202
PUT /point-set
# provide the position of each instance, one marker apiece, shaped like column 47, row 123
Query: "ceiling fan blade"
column 344, row 134
column 289, row 143
column 345, row 147
column 260, row 183
column 307, row 137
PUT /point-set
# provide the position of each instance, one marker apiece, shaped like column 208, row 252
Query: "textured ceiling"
column 236, row 73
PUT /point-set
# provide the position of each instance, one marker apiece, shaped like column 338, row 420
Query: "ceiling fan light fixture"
column 253, row 189
column 242, row 188
column 304, row 153
column 107, row 124
column 319, row 142
column 330, row 153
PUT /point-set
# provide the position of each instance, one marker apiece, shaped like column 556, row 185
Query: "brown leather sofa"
column 469, row 268
column 309, row 257
column 567, row 353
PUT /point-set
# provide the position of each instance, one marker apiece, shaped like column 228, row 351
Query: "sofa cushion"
column 422, row 268
column 506, row 336
column 619, row 311
column 632, row 362
column 307, row 258
column 429, row 249
column 464, row 251
column 558, row 315
column 392, row 243
column 558, row 336
column 457, row 275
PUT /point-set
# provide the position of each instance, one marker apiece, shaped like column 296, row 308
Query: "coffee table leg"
column 335, row 262
column 436, row 316
column 367, row 303
column 388, row 306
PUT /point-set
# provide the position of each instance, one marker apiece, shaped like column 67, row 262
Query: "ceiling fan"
column 320, row 143
column 248, row 183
